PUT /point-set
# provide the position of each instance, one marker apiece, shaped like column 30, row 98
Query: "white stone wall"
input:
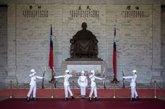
column 138, row 38
column 134, row 37
column 33, row 36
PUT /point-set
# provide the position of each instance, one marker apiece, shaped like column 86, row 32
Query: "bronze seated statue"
column 84, row 44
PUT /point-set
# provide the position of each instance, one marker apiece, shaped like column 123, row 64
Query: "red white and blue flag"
column 114, row 57
column 51, row 59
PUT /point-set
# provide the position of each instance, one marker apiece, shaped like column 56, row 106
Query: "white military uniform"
column 33, row 85
column 66, row 83
column 82, row 82
column 93, row 85
column 134, row 94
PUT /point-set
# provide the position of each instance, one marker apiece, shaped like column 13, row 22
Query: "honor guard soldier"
column 33, row 85
column 83, row 82
column 67, row 89
column 93, row 85
column 134, row 95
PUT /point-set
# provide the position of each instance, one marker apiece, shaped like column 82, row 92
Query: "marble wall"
column 138, row 35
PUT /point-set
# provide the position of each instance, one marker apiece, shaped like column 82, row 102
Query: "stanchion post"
column 114, row 91
column 11, row 91
column 155, row 89
column 52, row 96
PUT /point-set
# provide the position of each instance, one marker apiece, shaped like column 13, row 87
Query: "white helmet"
column 92, row 71
column 66, row 71
column 32, row 70
column 134, row 71
column 82, row 72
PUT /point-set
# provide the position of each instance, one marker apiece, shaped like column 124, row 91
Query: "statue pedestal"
column 87, row 66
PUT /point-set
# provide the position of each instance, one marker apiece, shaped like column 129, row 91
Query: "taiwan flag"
column 114, row 59
column 51, row 59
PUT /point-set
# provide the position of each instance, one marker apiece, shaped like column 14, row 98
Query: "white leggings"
column 133, row 92
column 32, row 89
column 83, row 90
column 67, row 89
column 93, row 89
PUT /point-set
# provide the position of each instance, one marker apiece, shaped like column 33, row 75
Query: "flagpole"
column 51, row 59
column 114, row 58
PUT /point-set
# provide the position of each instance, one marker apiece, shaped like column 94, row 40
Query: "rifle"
column 104, row 80
column 123, row 79
column 43, row 80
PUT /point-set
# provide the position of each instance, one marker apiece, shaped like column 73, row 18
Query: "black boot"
column 83, row 96
column 137, row 98
column 96, row 99
column 66, row 99
column 27, row 99
column 132, row 99
column 34, row 99
column 90, row 99
column 72, row 97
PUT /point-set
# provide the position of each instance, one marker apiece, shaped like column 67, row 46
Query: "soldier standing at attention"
column 83, row 82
